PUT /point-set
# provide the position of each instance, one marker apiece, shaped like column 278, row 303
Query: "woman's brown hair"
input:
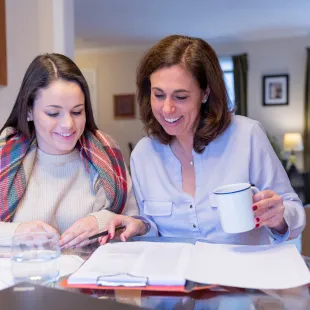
column 200, row 59
column 42, row 71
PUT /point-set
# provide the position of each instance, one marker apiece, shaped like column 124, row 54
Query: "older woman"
column 196, row 144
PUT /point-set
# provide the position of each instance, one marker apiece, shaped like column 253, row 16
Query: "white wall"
column 115, row 71
column 116, row 74
column 22, row 45
column 275, row 57
column 30, row 31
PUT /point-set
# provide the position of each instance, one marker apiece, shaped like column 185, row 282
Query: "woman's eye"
column 180, row 97
column 52, row 114
column 159, row 96
column 77, row 113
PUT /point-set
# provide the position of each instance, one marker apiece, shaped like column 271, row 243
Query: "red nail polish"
column 109, row 236
column 254, row 208
column 257, row 219
column 257, row 225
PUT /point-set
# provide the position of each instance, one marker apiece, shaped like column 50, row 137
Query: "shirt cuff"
column 7, row 231
column 277, row 237
column 103, row 217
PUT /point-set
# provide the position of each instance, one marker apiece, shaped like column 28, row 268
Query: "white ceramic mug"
column 234, row 203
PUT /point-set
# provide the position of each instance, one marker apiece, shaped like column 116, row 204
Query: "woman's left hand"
column 269, row 210
column 77, row 234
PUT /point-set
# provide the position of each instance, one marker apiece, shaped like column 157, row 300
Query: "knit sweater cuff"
column 103, row 217
column 7, row 231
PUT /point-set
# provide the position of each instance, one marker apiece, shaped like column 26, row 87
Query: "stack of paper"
column 171, row 264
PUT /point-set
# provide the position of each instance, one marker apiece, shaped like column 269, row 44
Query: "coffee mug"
column 234, row 203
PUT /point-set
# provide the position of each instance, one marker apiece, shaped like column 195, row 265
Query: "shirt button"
column 194, row 225
column 191, row 206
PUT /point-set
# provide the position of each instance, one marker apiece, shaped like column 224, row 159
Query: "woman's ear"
column 206, row 95
column 29, row 116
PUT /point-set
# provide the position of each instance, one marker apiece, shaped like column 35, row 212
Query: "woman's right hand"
column 133, row 227
column 35, row 226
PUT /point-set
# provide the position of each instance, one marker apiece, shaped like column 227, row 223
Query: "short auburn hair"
column 198, row 57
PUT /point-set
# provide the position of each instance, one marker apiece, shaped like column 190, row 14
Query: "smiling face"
column 59, row 117
column 176, row 99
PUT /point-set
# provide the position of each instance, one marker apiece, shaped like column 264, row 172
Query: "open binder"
column 183, row 267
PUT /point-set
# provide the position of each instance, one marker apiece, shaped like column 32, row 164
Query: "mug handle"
column 255, row 190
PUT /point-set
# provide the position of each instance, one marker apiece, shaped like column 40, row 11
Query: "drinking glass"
column 35, row 257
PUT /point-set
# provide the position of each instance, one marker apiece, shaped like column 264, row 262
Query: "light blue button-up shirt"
column 241, row 154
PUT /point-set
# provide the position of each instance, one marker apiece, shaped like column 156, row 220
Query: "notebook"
column 140, row 264
column 26, row 296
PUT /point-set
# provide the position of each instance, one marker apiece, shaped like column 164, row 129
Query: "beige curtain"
column 241, row 83
column 307, row 116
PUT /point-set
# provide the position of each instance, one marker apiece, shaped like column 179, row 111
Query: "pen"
column 105, row 233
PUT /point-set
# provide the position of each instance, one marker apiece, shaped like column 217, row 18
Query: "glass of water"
column 35, row 257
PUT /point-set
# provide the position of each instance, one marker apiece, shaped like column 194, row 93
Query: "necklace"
column 191, row 162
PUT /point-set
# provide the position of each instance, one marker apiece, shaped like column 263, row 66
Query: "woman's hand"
column 269, row 210
column 77, row 234
column 35, row 226
column 133, row 227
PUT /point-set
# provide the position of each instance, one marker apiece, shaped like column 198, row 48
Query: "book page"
column 164, row 263
column 159, row 263
column 259, row 267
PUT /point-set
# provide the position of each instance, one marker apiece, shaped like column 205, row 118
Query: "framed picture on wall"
column 275, row 89
column 124, row 106
column 3, row 58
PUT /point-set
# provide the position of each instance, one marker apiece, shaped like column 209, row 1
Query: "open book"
column 172, row 264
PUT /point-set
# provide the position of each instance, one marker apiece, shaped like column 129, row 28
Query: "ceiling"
column 115, row 23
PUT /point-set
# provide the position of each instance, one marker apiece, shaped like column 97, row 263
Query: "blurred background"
column 263, row 47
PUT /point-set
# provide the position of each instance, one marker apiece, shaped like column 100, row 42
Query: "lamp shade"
column 293, row 142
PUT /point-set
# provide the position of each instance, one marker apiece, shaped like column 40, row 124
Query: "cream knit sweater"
column 59, row 192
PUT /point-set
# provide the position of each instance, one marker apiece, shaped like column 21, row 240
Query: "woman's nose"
column 67, row 122
column 168, row 107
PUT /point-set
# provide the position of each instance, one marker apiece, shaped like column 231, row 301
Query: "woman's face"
column 59, row 117
column 176, row 99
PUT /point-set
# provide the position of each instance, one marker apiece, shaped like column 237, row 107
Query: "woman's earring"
column 204, row 100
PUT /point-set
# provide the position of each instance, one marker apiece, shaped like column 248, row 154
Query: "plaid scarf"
column 101, row 157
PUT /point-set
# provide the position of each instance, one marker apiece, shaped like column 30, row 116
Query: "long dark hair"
column 43, row 70
column 201, row 61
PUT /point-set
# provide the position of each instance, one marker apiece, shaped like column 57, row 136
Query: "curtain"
column 307, row 116
column 241, row 83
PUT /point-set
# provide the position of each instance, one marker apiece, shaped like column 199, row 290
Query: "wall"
column 116, row 74
column 32, row 28
column 22, row 45
column 115, row 71
column 275, row 57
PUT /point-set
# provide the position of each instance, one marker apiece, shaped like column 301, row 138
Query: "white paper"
column 68, row 264
column 160, row 263
column 259, row 267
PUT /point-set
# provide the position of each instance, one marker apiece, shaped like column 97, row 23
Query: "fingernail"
column 257, row 225
column 254, row 208
column 257, row 219
column 109, row 236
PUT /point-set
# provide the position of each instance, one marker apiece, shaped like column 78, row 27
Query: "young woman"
column 58, row 172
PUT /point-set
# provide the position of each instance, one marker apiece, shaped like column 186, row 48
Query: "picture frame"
column 275, row 89
column 124, row 106
column 3, row 55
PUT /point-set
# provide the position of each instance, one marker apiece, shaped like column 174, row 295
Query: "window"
column 228, row 70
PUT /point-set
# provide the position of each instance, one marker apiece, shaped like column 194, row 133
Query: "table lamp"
column 292, row 143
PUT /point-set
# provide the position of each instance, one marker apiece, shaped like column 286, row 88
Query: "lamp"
column 292, row 143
